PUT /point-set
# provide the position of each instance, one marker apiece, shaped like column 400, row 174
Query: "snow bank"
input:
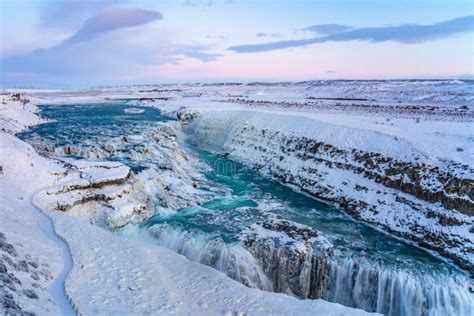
column 16, row 113
column 32, row 261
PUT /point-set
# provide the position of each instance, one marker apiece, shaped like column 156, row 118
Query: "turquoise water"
column 94, row 124
column 247, row 198
column 229, row 215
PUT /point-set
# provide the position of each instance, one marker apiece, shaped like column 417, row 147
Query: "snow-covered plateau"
column 320, row 197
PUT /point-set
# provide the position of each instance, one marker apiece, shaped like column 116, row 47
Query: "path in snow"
column 57, row 287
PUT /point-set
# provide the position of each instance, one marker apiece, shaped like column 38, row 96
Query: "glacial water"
column 358, row 267
column 85, row 126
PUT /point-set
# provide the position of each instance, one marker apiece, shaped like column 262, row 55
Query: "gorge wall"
column 379, row 179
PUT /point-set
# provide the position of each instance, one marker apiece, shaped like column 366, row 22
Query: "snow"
column 134, row 110
column 23, row 224
column 14, row 116
column 101, row 272
column 401, row 137
column 57, row 289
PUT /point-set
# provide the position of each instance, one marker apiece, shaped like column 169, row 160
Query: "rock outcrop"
column 292, row 255
column 300, row 261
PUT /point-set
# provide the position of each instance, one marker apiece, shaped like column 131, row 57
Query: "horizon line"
column 242, row 82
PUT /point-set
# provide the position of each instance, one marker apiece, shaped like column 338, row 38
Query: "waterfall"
column 233, row 260
column 371, row 287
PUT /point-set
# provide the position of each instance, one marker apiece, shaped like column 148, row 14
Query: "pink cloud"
column 110, row 20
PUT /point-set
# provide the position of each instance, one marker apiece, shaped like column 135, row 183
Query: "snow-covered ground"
column 102, row 273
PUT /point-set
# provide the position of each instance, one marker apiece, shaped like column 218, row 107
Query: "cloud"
column 72, row 12
column 326, row 29
column 95, row 49
column 195, row 51
column 219, row 37
column 406, row 33
column 202, row 56
column 263, row 34
column 103, row 50
column 110, row 20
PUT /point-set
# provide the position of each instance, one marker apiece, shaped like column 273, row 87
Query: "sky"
column 72, row 43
